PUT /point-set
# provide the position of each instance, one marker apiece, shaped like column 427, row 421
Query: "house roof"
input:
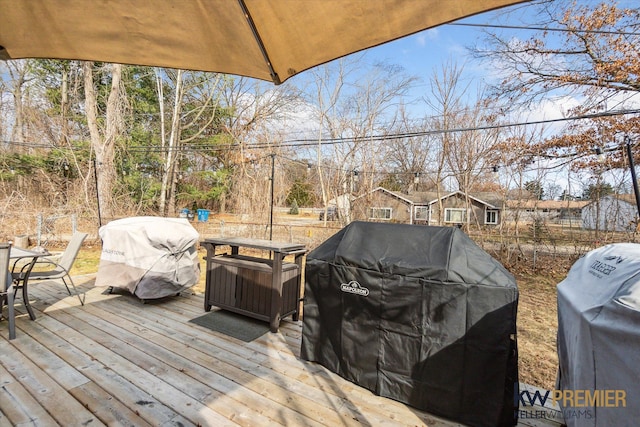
column 472, row 197
column 403, row 197
column 546, row 204
column 491, row 200
column 627, row 198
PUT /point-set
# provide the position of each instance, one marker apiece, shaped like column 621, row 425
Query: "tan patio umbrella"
column 266, row 39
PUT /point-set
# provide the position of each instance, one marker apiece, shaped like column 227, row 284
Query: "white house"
column 611, row 213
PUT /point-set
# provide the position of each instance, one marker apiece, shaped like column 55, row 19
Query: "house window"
column 455, row 215
column 491, row 217
column 380, row 213
column 422, row 213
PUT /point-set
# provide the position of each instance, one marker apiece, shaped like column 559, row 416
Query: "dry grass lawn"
column 537, row 327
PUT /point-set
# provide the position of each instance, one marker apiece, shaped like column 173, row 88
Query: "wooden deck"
column 117, row 361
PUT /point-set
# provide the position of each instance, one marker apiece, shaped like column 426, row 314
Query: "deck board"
column 117, row 361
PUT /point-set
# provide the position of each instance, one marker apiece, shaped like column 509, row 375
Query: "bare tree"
column 588, row 51
column 252, row 136
column 104, row 136
column 409, row 156
column 471, row 156
column 328, row 84
column 19, row 97
column 445, row 100
column 467, row 131
column 371, row 107
column 351, row 104
column 19, row 73
column 585, row 48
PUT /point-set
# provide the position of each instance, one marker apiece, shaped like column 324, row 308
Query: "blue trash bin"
column 184, row 213
column 203, row 215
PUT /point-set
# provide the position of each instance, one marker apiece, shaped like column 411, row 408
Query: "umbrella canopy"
column 269, row 40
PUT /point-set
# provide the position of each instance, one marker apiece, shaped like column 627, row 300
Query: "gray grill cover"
column 418, row 314
column 599, row 334
column 151, row 257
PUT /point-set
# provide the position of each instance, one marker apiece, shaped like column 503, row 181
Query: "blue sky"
column 420, row 54
column 424, row 55
column 427, row 52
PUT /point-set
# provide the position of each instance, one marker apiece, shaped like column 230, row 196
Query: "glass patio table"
column 20, row 272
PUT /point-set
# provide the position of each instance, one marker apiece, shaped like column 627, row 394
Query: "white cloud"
column 425, row 36
column 300, row 123
column 553, row 108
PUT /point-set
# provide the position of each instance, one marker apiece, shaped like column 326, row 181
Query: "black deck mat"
column 234, row 325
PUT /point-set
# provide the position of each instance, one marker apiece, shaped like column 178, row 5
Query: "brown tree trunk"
column 103, row 143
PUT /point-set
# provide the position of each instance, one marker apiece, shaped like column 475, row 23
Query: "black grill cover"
column 418, row 314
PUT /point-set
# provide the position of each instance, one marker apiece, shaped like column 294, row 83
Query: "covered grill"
column 418, row 314
column 151, row 257
column 599, row 338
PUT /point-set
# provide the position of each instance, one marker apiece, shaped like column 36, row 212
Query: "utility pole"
column 273, row 171
column 633, row 173
column 95, row 177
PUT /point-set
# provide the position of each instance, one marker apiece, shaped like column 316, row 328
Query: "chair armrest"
column 18, row 275
column 46, row 261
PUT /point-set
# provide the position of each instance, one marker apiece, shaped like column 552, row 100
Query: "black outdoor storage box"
column 418, row 314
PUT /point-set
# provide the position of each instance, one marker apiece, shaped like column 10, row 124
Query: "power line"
column 307, row 142
column 564, row 30
column 314, row 142
column 447, row 172
column 26, row 144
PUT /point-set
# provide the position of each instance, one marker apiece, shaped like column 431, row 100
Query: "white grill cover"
column 599, row 334
column 151, row 257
